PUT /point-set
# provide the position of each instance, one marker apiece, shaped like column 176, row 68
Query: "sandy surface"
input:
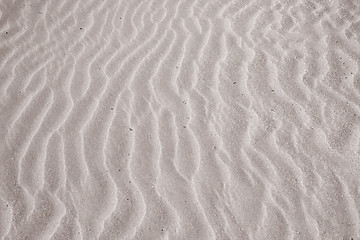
column 179, row 119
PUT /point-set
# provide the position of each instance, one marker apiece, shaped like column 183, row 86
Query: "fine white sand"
column 179, row 119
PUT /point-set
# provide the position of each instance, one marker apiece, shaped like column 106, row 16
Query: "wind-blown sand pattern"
column 189, row 119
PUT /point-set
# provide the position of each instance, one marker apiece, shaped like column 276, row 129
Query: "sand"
column 179, row 119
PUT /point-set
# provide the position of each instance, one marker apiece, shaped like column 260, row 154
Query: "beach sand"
column 179, row 119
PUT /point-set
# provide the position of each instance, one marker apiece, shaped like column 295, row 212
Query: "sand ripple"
column 191, row 119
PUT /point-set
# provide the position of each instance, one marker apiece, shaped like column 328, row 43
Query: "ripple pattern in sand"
column 190, row 119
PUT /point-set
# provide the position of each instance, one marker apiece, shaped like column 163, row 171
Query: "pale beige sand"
column 179, row 119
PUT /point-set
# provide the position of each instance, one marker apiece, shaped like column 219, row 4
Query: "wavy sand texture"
column 179, row 119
